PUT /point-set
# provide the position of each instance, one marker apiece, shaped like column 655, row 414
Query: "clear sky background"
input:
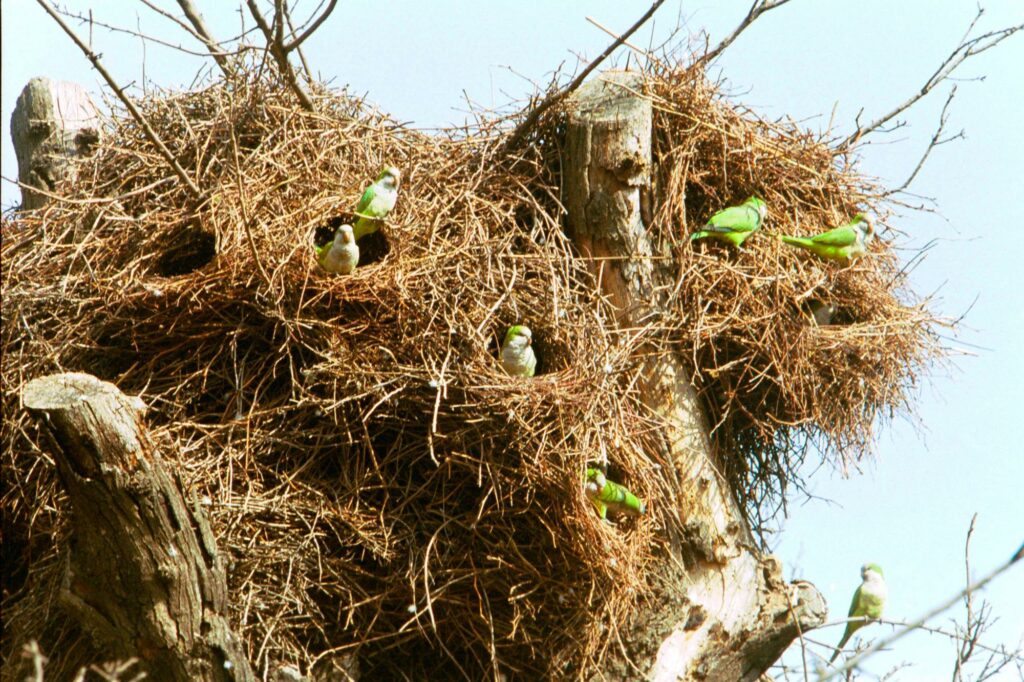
column 909, row 509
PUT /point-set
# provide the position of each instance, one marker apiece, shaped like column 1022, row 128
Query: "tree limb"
column 757, row 9
column 519, row 132
column 274, row 36
column 967, row 48
column 936, row 141
column 202, row 32
column 132, row 109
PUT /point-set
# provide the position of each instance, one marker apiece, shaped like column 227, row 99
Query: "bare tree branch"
column 132, row 109
column 936, row 141
column 274, row 36
column 854, row 661
column 757, row 9
column 519, row 132
column 288, row 47
column 967, row 48
column 202, row 32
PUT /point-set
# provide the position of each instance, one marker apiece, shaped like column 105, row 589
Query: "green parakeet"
column 517, row 356
column 868, row 603
column 377, row 201
column 735, row 224
column 845, row 243
column 340, row 255
column 605, row 495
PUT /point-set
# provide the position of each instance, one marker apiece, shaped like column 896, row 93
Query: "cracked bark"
column 721, row 611
column 142, row 573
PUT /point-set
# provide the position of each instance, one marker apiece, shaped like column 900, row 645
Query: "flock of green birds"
column 732, row 225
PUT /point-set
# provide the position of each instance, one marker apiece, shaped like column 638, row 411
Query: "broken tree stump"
column 143, row 575
column 721, row 611
column 53, row 122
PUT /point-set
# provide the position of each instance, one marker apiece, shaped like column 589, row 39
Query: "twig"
column 757, row 9
column 936, row 141
column 202, row 32
column 519, row 132
column 968, row 47
column 288, row 47
column 854, row 661
column 132, row 109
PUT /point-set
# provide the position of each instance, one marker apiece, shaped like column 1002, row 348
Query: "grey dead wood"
column 720, row 611
column 142, row 575
column 53, row 123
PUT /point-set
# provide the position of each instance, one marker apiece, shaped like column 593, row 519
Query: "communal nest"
column 377, row 482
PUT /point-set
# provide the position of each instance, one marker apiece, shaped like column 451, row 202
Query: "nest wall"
column 378, row 484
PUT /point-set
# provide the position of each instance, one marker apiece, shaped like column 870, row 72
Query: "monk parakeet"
column 377, row 201
column 341, row 254
column 736, row 223
column 605, row 495
column 845, row 243
column 517, row 356
column 821, row 312
column 868, row 602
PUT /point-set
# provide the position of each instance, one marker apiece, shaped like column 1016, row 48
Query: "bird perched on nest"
column 377, row 201
column 605, row 495
column 734, row 225
column 868, row 603
column 517, row 356
column 340, row 255
column 844, row 244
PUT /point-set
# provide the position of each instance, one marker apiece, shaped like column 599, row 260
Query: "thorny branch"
column 967, row 48
column 757, row 9
column 520, row 131
column 132, row 109
column 202, row 32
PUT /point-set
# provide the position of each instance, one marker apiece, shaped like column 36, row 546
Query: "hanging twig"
column 519, row 132
column 757, row 9
column 968, row 47
column 132, row 109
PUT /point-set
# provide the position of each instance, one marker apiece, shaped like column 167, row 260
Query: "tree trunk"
column 143, row 575
column 52, row 123
column 722, row 611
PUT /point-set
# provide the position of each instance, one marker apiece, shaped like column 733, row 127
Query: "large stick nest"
column 377, row 482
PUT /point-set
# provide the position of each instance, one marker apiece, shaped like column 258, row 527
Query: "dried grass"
column 376, row 481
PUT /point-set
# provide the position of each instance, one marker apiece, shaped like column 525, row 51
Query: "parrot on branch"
column 605, row 495
column 340, row 255
column 844, row 244
column 517, row 356
column 868, row 603
column 377, row 201
column 735, row 224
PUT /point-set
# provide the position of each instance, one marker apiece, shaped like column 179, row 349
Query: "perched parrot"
column 868, row 603
column 845, row 243
column 605, row 495
column 517, row 356
column 736, row 223
column 377, row 201
column 340, row 255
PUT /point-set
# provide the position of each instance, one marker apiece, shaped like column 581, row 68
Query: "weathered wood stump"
column 725, row 611
column 53, row 122
column 143, row 575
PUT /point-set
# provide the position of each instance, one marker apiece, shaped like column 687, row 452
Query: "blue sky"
column 910, row 508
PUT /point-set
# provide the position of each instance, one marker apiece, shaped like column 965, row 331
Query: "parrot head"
column 870, row 568
column 758, row 203
column 390, row 177
column 865, row 223
column 344, row 235
column 518, row 336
